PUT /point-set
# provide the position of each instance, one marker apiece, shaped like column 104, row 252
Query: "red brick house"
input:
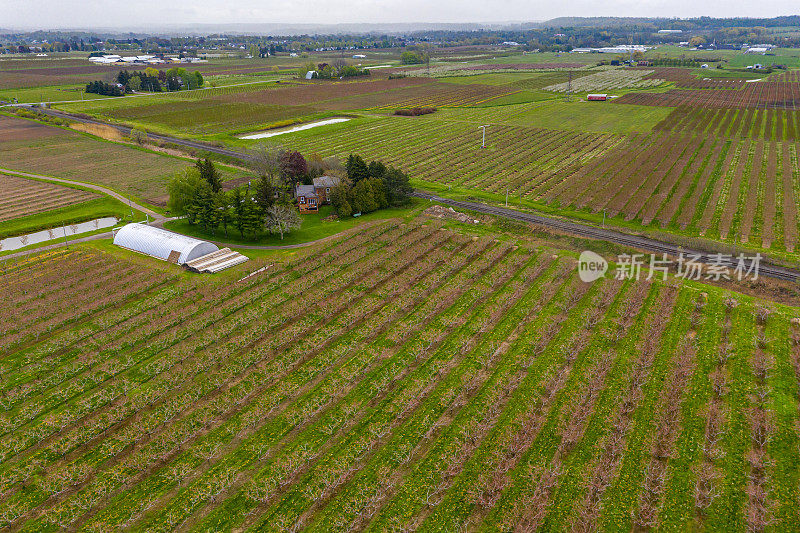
column 323, row 186
column 310, row 197
column 307, row 199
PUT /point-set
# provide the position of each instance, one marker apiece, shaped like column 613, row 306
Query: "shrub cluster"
column 415, row 111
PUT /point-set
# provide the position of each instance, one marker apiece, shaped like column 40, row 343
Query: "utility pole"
column 604, row 218
column 483, row 142
column 506, row 196
column 569, row 86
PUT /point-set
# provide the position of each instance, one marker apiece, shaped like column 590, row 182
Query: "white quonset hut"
column 162, row 244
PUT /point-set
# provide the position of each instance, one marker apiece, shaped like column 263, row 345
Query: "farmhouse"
column 597, row 97
column 307, row 199
column 310, row 197
column 323, row 186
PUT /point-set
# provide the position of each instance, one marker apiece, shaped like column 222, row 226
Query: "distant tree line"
column 106, row 89
column 338, row 68
column 150, row 80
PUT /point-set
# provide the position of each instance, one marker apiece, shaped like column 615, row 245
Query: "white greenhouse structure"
column 162, row 244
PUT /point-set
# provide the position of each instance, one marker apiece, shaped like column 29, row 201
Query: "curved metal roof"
column 161, row 243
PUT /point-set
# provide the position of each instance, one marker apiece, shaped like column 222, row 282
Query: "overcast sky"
column 42, row 14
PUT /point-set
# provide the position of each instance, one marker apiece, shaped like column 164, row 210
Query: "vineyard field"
column 22, row 197
column 449, row 151
column 770, row 124
column 729, row 175
column 759, row 94
column 28, row 146
column 239, row 109
column 434, row 380
column 608, row 80
column 735, row 190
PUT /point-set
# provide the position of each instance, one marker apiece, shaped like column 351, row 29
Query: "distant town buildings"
column 142, row 60
column 621, row 49
column 759, row 49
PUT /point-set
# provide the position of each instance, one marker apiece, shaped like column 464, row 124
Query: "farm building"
column 597, row 97
column 307, row 198
column 323, row 186
column 194, row 254
column 162, row 244
column 310, row 197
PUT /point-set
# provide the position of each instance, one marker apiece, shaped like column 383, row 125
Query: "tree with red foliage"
column 293, row 166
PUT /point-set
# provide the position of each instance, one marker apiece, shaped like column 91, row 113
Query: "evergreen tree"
column 339, row 200
column 209, row 173
column 377, row 169
column 357, row 169
column 397, row 186
column 265, row 193
column 237, row 199
column 223, row 207
column 203, row 208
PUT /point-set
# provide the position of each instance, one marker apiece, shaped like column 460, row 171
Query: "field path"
column 104, row 190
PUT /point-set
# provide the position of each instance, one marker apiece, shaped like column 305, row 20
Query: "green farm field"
column 729, row 176
column 433, row 380
column 683, row 151
column 240, row 109
column 29, row 146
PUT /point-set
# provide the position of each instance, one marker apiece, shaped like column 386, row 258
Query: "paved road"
column 126, row 131
column 634, row 241
column 574, row 228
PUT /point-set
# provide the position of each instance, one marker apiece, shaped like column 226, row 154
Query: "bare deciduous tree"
column 282, row 219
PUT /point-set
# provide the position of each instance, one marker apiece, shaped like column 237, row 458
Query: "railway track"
column 574, row 228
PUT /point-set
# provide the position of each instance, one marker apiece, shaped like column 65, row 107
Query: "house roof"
column 326, row 181
column 306, row 190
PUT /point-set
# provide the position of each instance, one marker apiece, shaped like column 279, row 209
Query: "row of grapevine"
column 728, row 188
column 770, row 124
column 22, row 197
